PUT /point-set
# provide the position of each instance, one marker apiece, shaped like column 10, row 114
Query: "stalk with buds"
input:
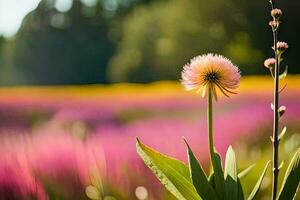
column 273, row 64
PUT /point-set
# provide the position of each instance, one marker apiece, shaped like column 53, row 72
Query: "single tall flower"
column 207, row 73
column 210, row 72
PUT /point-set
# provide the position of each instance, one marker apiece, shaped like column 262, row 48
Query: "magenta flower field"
column 62, row 144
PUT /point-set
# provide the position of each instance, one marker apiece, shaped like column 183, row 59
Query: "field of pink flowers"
column 79, row 142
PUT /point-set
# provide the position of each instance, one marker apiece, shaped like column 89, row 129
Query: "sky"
column 12, row 12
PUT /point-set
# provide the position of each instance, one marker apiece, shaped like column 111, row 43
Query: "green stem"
column 217, row 169
column 210, row 127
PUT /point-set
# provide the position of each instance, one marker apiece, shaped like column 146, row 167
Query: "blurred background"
column 81, row 79
column 105, row 41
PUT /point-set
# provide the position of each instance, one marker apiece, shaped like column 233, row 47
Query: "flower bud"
column 274, row 24
column 270, row 63
column 276, row 13
column 282, row 46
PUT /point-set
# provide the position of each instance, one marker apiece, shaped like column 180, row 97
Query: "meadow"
column 78, row 142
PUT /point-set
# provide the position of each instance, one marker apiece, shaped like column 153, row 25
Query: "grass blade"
column 258, row 183
column 291, row 179
column 243, row 173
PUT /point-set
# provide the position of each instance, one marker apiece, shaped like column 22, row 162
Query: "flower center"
column 211, row 77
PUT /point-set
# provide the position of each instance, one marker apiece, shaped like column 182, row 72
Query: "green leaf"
column 246, row 171
column 230, row 164
column 230, row 175
column 211, row 180
column 172, row 173
column 281, row 165
column 218, row 176
column 291, row 179
column 199, row 178
column 240, row 191
column 280, row 59
column 284, row 74
column 282, row 133
column 258, row 183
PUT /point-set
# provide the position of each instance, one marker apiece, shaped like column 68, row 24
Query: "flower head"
column 276, row 13
column 211, row 72
column 282, row 46
column 270, row 63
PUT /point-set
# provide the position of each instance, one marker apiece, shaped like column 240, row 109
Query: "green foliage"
column 282, row 133
column 173, row 174
column 138, row 40
column 185, row 183
column 158, row 38
column 284, row 73
column 231, row 175
column 258, row 183
column 203, row 187
column 291, row 179
column 239, row 49
column 219, row 176
column 246, row 171
column 240, row 191
column 62, row 48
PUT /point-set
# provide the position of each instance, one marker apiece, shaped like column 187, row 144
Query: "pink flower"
column 211, row 72
column 16, row 182
column 269, row 63
column 282, row 46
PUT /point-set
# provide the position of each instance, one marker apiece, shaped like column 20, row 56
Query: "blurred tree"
column 8, row 74
column 2, row 40
column 101, row 41
column 158, row 39
column 63, row 48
